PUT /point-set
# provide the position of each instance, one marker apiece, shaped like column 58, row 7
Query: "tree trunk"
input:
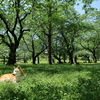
column 70, row 58
column 12, row 56
column 75, row 60
column 94, row 58
column 49, row 50
column 88, row 59
column 49, row 34
column 38, row 60
column 25, row 60
column 33, row 58
column 58, row 58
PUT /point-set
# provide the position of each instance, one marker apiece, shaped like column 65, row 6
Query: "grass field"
column 53, row 82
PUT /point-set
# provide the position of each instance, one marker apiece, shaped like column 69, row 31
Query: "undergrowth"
column 53, row 82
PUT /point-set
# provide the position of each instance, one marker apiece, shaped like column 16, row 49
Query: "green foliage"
column 55, row 82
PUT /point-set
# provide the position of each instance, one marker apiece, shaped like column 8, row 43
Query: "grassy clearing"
column 53, row 82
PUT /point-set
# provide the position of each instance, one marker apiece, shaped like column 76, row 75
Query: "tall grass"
column 53, row 82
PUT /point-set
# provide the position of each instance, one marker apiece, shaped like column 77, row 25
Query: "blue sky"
column 95, row 4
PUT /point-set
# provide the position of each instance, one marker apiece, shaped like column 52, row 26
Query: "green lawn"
column 53, row 82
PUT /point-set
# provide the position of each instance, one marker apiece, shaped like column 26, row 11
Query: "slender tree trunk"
column 49, row 34
column 38, row 59
column 49, row 50
column 25, row 60
column 75, row 60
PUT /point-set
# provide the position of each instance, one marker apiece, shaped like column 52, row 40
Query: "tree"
column 12, row 17
column 34, row 45
column 47, row 14
column 58, row 48
column 70, row 29
column 91, row 43
column 90, row 39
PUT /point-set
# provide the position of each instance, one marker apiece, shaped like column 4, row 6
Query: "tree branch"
column 9, row 37
column 26, row 45
column 39, row 53
column 15, row 24
column 25, row 16
column 25, row 30
column 87, row 48
column 5, row 22
column 2, row 38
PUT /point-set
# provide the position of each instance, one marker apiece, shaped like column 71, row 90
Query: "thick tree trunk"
column 70, row 58
column 12, row 57
column 33, row 58
column 94, row 58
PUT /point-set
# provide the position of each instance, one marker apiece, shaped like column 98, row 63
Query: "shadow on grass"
column 89, row 89
column 53, row 69
column 4, row 69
